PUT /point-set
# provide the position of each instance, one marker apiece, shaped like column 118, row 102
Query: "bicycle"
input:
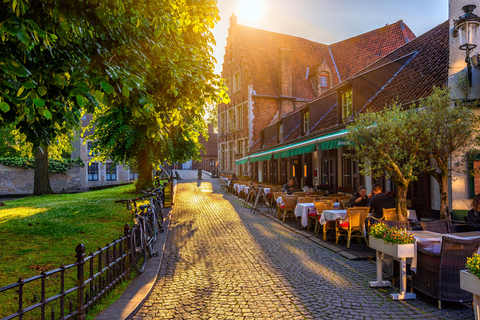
column 143, row 234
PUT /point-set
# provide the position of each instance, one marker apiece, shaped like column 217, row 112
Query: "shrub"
column 391, row 235
column 54, row 166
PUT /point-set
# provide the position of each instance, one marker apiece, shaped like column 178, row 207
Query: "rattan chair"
column 300, row 194
column 438, row 274
column 344, row 204
column 223, row 184
column 317, row 193
column 276, row 195
column 328, row 198
column 305, row 200
column 289, row 204
column 439, row 226
column 388, row 215
column 341, row 198
column 329, row 225
column 354, row 227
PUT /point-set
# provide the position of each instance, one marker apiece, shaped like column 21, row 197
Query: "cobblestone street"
column 223, row 262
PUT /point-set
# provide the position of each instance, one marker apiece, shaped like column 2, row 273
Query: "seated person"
column 289, row 187
column 234, row 177
column 359, row 199
column 473, row 216
column 379, row 201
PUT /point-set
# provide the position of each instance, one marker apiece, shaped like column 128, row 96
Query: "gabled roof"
column 260, row 49
column 427, row 67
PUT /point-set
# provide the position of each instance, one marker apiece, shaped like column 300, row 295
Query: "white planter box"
column 394, row 250
column 471, row 283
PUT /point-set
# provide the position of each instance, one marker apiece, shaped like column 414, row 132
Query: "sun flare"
column 251, row 10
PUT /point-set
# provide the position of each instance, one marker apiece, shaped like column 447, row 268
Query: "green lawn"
column 41, row 233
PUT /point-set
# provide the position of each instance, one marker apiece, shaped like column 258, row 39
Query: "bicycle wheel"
column 151, row 237
column 159, row 213
column 138, row 253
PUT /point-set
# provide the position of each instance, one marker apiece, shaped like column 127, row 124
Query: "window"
column 90, row 149
column 92, row 171
column 324, row 81
column 110, row 172
column 133, row 175
column 221, row 124
column 231, row 120
column 228, row 84
column 239, row 117
column 239, row 147
column 306, row 122
column 237, row 82
column 280, row 132
column 347, row 105
column 231, row 151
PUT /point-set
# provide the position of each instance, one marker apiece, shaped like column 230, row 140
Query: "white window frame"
column 306, row 121
column 239, row 116
column 323, row 77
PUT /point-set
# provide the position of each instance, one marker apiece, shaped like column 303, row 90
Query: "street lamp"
column 466, row 27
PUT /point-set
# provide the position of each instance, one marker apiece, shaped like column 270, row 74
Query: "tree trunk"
column 444, row 200
column 145, row 179
column 41, row 178
column 401, row 204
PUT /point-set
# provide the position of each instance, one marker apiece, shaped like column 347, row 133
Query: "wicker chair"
column 305, row 200
column 440, row 226
column 399, row 224
column 289, row 203
column 276, row 195
column 223, row 185
column 341, row 198
column 388, row 215
column 300, row 194
column 328, row 198
column 354, row 227
column 317, row 193
column 438, row 274
column 344, row 204
column 320, row 206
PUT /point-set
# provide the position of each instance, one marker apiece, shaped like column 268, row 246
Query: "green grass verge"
column 41, row 233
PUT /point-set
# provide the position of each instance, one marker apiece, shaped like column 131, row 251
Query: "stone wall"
column 17, row 180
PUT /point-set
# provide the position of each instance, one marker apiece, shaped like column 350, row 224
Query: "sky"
column 326, row 21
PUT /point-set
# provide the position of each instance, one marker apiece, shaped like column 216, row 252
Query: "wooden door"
column 420, row 196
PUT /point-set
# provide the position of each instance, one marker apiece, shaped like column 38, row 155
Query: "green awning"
column 241, row 161
column 264, row 157
column 333, row 144
column 295, row 152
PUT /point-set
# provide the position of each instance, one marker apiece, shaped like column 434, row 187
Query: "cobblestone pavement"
column 223, row 262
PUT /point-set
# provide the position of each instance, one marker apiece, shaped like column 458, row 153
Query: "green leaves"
column 39, row 102
column 107, row 88
column 47, row 114
column 4, row 106
column 42, row 91
column 82, row 101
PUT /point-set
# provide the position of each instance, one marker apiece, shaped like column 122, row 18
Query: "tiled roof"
column 260, row 48
column 427, row 68
column 354, row 54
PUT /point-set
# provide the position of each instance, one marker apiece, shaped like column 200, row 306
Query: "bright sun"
column 251, row 10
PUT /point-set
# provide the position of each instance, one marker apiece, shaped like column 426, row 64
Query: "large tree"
column 390, row 143
column 450, row 132
column 162, row 121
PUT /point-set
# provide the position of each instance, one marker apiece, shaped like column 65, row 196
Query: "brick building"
column 270, row 75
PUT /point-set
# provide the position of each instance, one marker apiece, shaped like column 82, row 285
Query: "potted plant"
column 396, row 243
column 322, row 187
column 470, row 281
column 345, row 190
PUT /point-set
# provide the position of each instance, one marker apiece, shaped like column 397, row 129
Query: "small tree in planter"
column 470, row 281
column 390, row 142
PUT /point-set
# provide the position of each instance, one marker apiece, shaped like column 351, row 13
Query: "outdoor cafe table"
column 301, row 210
column 267, row 190
column 332, row 215
column 239, row 187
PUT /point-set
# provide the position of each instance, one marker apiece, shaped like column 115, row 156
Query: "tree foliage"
column 389, row 143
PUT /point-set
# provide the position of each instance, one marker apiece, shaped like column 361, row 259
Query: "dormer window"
column 347, row 105
column 324, row 81
column 306, row 121
column 280, row 132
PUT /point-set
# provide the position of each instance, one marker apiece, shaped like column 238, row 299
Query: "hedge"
column 54, row 166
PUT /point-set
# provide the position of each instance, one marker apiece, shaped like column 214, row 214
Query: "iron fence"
column 79, row 286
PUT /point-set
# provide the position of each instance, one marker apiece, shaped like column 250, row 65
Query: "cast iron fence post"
column 80, row 249
column 126, row 232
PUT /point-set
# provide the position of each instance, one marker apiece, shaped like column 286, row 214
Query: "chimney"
column 233, row 20
column 285, row 79
column 457, row 67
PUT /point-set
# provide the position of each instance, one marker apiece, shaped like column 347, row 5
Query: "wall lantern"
column 466, row 28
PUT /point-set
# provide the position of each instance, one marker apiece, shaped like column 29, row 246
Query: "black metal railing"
column 89, row 280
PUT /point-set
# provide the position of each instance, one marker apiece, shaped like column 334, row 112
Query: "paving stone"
column 224, row 262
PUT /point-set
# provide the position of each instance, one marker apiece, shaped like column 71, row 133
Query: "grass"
column 40, row 233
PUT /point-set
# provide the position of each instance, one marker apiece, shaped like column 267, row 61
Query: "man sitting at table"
column 473, row 216
column 289, row 187
column 379, row 201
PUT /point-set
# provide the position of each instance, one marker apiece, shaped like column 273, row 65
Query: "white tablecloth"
column 267, row 190
column 239, row 187
column 301, row 210
column 336, row 205
column 412, row 215
column 332, row 215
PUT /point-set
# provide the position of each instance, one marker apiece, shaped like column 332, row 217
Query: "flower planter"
column 394, row 250
column 471, row 283
column 399, row 251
